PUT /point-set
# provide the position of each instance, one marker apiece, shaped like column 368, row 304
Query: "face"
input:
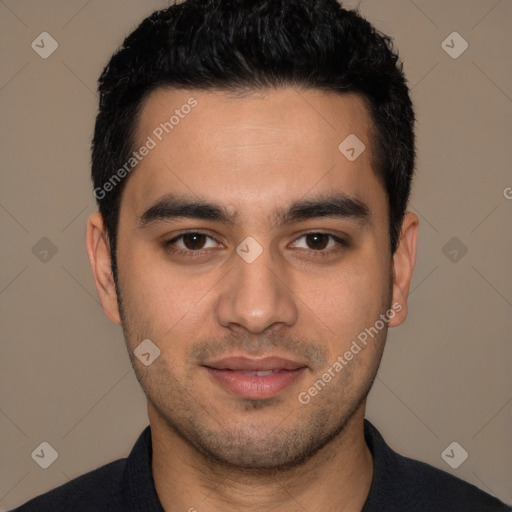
column 254, row 255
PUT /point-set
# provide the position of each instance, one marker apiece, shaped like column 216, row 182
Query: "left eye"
column 319, row 241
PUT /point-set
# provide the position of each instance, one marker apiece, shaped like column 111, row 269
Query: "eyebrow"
column 336, row 205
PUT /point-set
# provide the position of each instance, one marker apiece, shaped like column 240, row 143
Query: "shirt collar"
column 138, row 485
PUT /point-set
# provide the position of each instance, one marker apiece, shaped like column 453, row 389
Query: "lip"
column 228, row 373
column 247, row 364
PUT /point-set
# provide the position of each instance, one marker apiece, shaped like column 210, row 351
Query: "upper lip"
column 248, row 364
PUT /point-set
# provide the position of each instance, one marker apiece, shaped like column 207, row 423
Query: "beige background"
column 65, row 373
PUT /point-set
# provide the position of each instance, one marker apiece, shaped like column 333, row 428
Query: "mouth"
column 255, row 378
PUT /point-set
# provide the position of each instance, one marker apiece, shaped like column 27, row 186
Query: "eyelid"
column 174, row 239
column 336, row 238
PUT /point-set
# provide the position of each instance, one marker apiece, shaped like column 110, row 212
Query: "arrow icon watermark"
column 146, row 352
column 352, row 147
column 249, row 249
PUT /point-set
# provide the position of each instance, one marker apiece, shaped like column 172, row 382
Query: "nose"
column 256, row 296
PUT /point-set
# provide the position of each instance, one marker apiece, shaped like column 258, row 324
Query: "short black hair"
column 237, row 45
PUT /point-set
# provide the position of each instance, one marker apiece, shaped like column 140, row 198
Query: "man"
column 252, row 162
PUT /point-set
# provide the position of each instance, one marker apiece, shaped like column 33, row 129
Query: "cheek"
column 355, row 301
column 351, row 295
column 158, row 296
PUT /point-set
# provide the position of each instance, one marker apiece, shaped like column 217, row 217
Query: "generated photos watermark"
column 342, row 361
column 151, row 143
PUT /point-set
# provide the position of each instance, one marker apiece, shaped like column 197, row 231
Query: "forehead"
column 253, row 149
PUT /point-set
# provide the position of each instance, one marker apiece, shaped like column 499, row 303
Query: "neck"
column 336, row 478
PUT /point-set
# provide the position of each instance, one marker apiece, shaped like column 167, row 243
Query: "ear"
column 98, row 250
column 404, row 261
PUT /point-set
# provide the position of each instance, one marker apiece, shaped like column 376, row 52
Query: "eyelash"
column 191, row 253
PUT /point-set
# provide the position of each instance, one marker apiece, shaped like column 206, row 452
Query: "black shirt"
column 399, row 484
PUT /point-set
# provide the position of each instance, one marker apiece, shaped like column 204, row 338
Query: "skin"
column 253, row 154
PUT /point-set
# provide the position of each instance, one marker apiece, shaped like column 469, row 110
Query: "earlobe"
column 98, row 250
column 404, row 261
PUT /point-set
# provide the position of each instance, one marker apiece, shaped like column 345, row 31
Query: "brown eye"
column 317, row 241
column 194, row 241
column 320, row 243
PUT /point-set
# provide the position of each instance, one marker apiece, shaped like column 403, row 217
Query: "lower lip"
column 252, row 386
